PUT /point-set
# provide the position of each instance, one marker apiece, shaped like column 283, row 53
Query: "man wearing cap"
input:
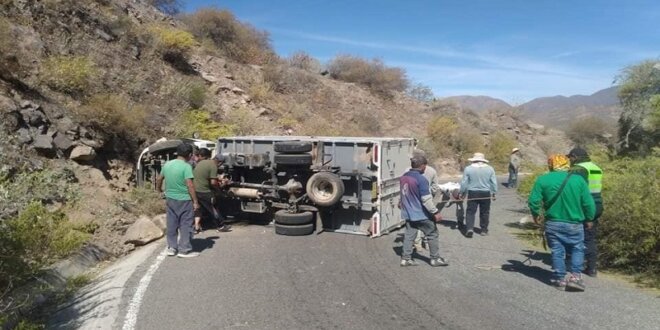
column 566, row 204
column 514, row 166
column 417, row 208
column 479, row 184
column 592, row 174
column 181, row 202
column 206, row 178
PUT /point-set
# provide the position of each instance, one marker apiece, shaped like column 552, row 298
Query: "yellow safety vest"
column 594, row 178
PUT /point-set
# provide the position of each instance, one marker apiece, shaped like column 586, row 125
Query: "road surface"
column 253, row 279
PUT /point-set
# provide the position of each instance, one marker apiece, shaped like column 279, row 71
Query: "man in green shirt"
column 206, row 178
column 566, row 204
column 181, row 202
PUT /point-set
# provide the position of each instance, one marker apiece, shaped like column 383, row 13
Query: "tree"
column 590, row 129
column 639, row 94
column 420, row 93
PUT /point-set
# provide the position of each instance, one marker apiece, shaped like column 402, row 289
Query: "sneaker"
column 190, row 254
column 408, row 262
column 224, row 228
column 559, row 284
column 483, row 233
column 171, row 252
column 469, row 234
column 575, row 283
column 591, row 272
column 437, row 262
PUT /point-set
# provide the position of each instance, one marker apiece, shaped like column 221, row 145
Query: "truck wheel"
column 293, row 159
column 292, row 147
column 165, row 145
column 294, row 230
column 284, row 217
column 325, row 188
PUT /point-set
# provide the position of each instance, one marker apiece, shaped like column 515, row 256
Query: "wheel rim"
column 324, row 190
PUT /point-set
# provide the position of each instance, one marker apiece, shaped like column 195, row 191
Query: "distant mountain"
column 559, row 111
column 478, row 103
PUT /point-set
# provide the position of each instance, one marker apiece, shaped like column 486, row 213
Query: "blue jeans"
column 513, row 178
column 563, row 236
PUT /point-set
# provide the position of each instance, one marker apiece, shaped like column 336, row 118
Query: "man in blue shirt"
column 417, row 208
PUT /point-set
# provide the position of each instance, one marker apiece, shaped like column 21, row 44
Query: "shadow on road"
column 526, row 268
column 399, row 249
column 201, row 244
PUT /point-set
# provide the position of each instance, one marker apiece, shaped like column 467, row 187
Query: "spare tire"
column 285, row 217
column 293, row 159
column 294, row 230
column 325, row 188
column 292, row 147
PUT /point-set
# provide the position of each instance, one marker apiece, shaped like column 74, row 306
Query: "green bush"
column 239, row 41
column 200, row 121
column 34, row 239
column 114, row 114
column 499, row 150
column 373, row 74
column 629, row 232
column 70, row 74
column 143, row 201
column 197, row 95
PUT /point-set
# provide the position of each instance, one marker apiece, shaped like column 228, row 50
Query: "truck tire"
column 164, row 145
column 284, row 217
column 292, row 147
column 325, row 188
column 294, row 230
column 293, row 159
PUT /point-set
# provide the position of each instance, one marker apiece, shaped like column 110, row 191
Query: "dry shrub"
column 373, row 74
column 260, row 91
column 114, row 114
column 420, row 93
column 304, row 61
column 69, row 74
column 367, row 124
column 588, row 130
column 238, row 41
column 289, row 80
column 172, row 43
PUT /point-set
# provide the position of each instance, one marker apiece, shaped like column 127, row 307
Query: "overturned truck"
column 340, row 184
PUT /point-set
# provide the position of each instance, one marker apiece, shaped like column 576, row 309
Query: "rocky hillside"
column 86, row 84
column 478, row 103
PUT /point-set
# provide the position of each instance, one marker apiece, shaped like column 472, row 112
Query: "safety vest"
column 594, row 178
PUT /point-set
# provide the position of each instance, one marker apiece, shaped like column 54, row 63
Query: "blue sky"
column 515, row 50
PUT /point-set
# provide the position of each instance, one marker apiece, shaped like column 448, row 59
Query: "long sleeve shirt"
column 479, row 177
column 573, row 205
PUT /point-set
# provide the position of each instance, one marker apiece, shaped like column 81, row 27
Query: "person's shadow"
column 526, row 267
column 201, row 244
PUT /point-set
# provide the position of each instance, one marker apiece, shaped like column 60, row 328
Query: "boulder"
column 238, row 91
column 62, row 142
column 160, row 221
column 209, row 77
column 44, row 143
column 104, row 35
column 7, row 104
column 82, row 153
column 142, row 232
column 66, row 124
column 24, row 136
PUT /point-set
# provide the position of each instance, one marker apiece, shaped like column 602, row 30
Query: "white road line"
column 136, row 300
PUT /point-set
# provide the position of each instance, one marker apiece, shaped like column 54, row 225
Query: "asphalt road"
column 253, row 279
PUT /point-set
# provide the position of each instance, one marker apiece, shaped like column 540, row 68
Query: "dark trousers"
column 207, row 210
column 429, row 229
column 590, row 247
column 481, row 200
column 513, row 177
column 180, row 218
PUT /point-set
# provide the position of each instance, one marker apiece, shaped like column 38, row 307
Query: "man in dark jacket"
column 567, row 206
column 417, row 208
column 592, row 174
